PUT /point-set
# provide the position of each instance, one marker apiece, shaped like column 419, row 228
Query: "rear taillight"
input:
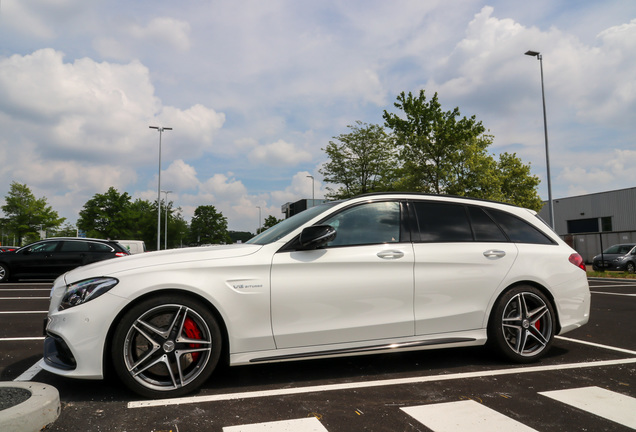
column 577, row 260
column 121, row 254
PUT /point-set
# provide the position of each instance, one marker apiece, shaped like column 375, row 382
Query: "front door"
column 358, row 288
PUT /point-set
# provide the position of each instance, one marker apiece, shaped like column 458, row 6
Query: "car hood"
column 151, row 259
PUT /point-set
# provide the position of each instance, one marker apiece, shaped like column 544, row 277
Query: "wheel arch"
column 107, row 367
column 533, row 284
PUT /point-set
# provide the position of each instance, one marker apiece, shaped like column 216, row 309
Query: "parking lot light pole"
column 160, row 129
column 313, row 194
column 259, row 219
column 165, row 236
column 545, row 130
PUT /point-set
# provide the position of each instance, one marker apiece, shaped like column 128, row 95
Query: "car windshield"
column 619, row 249
column 283, row 228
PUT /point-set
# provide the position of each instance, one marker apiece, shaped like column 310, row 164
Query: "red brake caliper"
column 192, row 332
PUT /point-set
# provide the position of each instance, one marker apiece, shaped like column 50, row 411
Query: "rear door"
column 72, row 254
column 458, row 266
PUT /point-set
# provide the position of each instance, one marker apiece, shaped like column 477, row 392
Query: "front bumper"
column 76, row 337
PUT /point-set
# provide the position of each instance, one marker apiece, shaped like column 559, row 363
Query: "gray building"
column 595, row 221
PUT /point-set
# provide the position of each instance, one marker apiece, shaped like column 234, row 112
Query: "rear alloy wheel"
column 166, row 346
column 630, row 268
column 522, row 324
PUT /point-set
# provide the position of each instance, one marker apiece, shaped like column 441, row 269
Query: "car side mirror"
column 316, row 236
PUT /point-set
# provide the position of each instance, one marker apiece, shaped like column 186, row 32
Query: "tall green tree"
column 209, row 226
column 269, row 222
column 360, row 161
column 437, row 148
column 114, row 215
column 442, row 152
column 26, row 215
column 107, row 215
column 518, row 185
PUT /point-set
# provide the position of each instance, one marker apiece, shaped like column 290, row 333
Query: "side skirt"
column 361, row 350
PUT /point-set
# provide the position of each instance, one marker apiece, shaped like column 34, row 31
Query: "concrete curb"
column 39, row 410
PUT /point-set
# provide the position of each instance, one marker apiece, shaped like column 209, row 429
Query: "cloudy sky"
column 254, row 89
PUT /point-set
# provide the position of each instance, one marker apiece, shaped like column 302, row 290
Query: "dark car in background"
column 620, row 257
column 47, row 259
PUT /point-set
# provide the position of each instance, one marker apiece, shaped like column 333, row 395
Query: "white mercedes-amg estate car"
column 377, row 273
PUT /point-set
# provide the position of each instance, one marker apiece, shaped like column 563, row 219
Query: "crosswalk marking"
column 468, row 415
column 309, row 424
column 601, row 402
column 465, row 415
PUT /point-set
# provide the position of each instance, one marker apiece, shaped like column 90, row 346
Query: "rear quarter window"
column 101, row 247
column 518, row 230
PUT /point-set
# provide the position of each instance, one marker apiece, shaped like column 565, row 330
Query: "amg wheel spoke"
column 526, row 324
column 163, row 333
column 155, row 347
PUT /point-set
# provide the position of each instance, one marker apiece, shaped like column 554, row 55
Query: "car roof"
column 429, row 195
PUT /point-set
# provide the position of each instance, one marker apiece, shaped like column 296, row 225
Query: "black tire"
column 4, row 273
column 166, row 346
column 522, row 324
column 630, row 267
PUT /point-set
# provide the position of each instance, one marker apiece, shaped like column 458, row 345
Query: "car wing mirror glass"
column 316, row 236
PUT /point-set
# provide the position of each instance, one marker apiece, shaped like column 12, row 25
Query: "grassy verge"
column 611, row 274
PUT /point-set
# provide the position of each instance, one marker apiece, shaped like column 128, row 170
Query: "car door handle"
column 494, row 253
column 391, row 254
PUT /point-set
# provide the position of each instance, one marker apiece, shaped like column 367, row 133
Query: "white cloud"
column 127, row 37
column 279, row 153
column 164, row 31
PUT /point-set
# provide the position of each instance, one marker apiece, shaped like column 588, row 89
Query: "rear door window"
column 442, row 222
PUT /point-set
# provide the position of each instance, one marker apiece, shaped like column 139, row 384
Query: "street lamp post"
column 259, row 219
column 313, row 194
column 545, row 131
column 160, row 129
column 165, row 236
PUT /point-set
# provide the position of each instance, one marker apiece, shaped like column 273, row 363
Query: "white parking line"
column 24, row 298
column 310, row 424
column 31, row 372
column 376, row 383
column 601, row 402
column 23, row 312
column 14, row 339
column 465, row 415
column 597, row 345
column 25, row 289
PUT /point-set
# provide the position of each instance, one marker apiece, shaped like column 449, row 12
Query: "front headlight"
column 86, row 290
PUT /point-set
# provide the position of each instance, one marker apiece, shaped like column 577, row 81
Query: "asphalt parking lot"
column 586, row 383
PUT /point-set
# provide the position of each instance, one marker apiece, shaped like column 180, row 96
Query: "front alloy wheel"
column 166, row 347
column 523, row 324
